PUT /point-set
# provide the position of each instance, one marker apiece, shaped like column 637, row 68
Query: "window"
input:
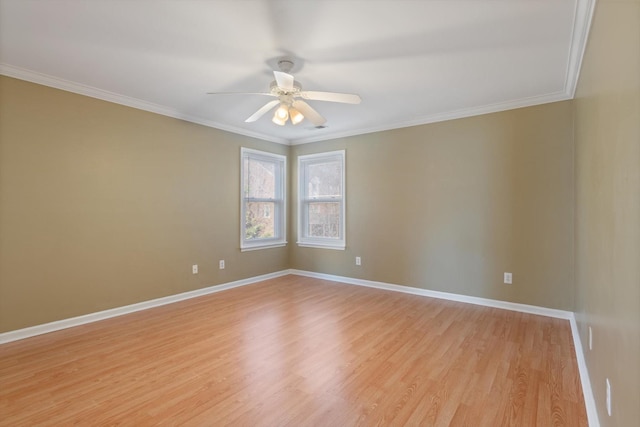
column 321, row 200
column 263, row 200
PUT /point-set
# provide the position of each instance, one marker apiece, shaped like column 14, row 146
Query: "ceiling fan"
column 290, row 99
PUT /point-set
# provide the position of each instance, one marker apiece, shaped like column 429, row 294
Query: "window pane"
column 263, row 179
column 259, row 179
column 259, row 220
column 322, row 200
column 324, row 220
column 323, row 180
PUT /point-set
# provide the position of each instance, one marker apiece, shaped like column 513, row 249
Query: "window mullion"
column 260, row 200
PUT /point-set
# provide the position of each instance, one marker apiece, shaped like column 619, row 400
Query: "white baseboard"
column 592, row 414
column 119, row 311
column 589, row 401
column 513, row 306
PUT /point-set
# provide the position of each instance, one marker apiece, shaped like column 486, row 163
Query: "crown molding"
column 69, row 86
column 450, row 115
column 579, row 37
column 583, row 17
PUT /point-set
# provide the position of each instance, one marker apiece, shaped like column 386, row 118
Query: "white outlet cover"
column 221, row 264
column 508, row 278
column 194, row 269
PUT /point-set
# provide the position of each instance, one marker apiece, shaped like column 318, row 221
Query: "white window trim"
column 281, row 224
column 319, row 242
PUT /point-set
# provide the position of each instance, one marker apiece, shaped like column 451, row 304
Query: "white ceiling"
column 412, row 62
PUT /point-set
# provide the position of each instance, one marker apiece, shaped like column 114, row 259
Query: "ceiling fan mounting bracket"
column 285, row 65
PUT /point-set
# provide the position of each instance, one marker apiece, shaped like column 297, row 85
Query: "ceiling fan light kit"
column 288, row 92
column 295, row 115
column 281, row 115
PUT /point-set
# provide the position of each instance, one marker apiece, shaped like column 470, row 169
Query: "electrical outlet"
column 508, row 278
column 590, row 339
column 194, row 269
column 221, row 264
column 358, row 261
column 608, row 397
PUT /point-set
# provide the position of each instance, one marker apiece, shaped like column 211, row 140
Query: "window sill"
column 321, row 246
column 266, row 246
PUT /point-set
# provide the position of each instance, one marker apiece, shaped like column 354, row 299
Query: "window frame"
column 279, row 212
column 303, row 202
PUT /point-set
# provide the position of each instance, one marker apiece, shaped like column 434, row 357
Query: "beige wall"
column 451, row 206
column 103, row 206
column 607, row 138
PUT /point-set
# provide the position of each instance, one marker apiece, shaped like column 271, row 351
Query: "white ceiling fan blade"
column 241, row 93
column 284, row 80
column 346, row 98
column 311, row 114
column 268, row 106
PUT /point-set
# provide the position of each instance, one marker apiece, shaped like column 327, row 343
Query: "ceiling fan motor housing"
column 276, row 90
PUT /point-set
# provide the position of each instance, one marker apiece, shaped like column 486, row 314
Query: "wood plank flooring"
column 296, row 351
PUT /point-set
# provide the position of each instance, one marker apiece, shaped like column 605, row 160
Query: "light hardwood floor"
column 299, row 351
